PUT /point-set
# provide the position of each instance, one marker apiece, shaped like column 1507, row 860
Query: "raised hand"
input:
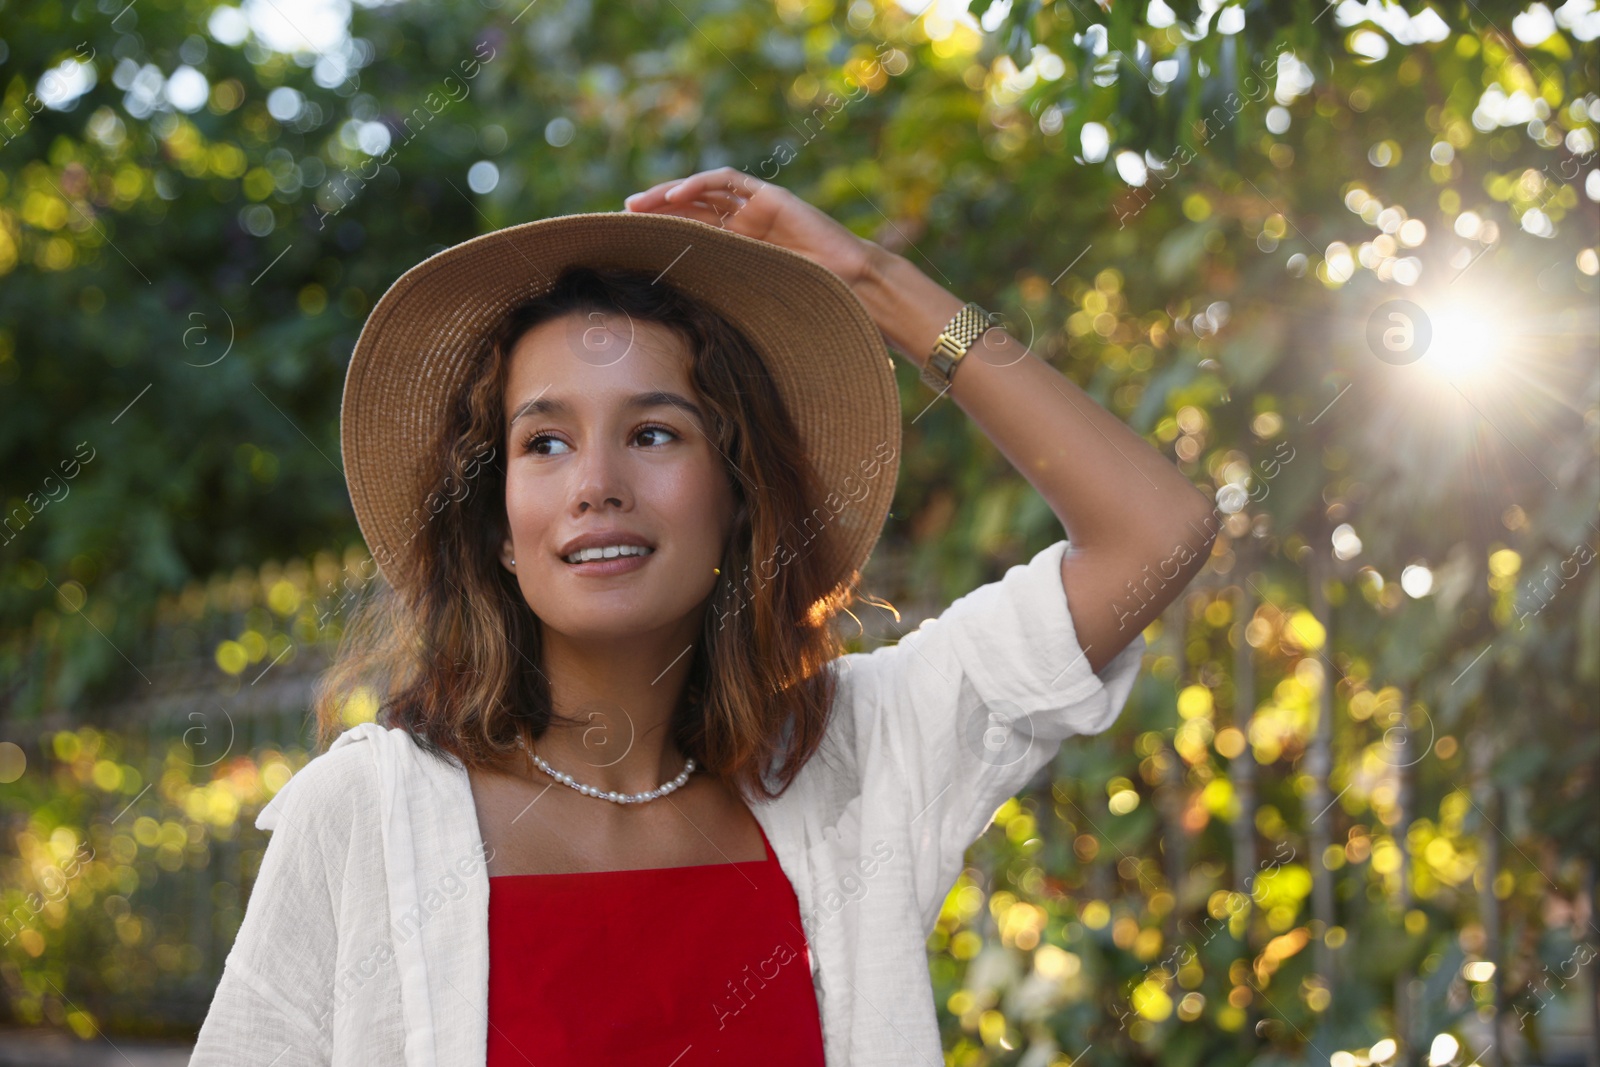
column 740, row 202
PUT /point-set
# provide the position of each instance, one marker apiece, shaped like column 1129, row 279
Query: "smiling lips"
column 607, row 551
column 600, row 552
column 604, row 560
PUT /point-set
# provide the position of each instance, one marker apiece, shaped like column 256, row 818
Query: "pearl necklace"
column 611, row 795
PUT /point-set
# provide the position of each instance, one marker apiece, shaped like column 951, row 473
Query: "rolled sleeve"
column 973, row 704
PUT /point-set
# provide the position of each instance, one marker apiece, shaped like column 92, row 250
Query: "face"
column 606, row 439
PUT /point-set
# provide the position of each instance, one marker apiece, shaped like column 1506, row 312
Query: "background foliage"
column 1349, row 813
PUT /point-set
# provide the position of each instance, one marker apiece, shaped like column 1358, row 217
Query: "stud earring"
column 513, row 563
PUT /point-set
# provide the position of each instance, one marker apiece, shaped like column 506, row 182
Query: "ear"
column 507, row 554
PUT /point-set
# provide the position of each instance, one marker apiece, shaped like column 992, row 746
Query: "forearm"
column 1139, row 530
column 1107, row 485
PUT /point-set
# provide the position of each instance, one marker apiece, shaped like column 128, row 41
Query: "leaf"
column 1153, row 401
column 1250, row 354
column 1180, row 250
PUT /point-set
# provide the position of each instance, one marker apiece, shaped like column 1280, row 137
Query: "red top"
column 674, row 966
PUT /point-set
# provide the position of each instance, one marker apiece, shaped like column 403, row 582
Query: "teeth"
column 584, row 555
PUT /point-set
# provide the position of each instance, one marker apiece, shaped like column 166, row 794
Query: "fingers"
column 722, row 179
column 716, row 199
column 650, row 195
column 720, row 182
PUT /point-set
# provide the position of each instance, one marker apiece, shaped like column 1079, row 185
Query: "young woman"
column 626, row 800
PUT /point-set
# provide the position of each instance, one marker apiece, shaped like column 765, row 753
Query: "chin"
column 612, row 622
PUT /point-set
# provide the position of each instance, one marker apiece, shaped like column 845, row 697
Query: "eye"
column 532, row 441
column 655, row 428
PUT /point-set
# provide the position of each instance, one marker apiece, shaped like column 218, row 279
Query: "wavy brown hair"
column 456, row 661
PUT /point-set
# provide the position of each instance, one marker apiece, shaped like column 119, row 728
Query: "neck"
column 623, row 692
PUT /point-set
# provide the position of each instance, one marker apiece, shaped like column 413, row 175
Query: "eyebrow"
column 543, row 405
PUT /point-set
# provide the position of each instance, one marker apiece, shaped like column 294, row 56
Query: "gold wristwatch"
column 969, row 324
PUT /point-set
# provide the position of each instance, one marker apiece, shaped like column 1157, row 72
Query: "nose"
column 600, row 480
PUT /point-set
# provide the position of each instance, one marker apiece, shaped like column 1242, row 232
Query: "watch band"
column 969, row 324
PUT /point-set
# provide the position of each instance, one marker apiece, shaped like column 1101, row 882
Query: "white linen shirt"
column 365, row 940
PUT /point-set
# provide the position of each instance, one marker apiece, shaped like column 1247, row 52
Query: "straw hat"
column 822, row 349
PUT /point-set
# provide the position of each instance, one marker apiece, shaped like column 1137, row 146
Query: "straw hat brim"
column 819, row 344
